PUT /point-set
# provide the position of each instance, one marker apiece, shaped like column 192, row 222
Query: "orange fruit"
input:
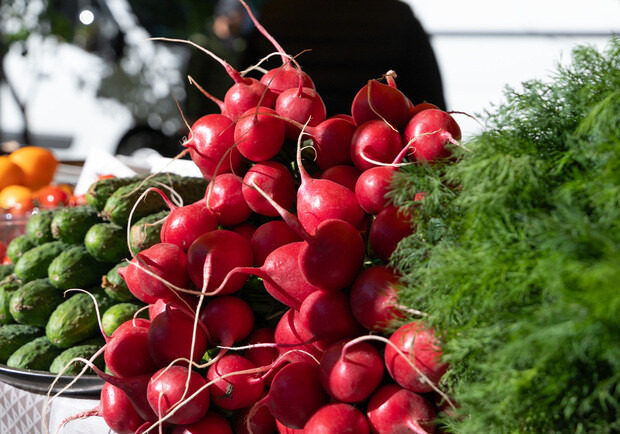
column 17, row 199
column 10, row 173
column 39, row 165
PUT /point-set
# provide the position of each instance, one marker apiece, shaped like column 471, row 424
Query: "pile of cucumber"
column 45, row 321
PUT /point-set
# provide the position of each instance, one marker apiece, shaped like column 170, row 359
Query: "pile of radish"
column 296, row 202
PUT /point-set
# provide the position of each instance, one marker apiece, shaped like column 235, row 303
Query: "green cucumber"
column 76, row 268
column 120, row 313
column 76, row 319
column 146, row 232
column 34, row 263
column 64, row 361
column 34, row 302
column 13, row 336
column 37, row 354
column 39, row 226
column 7, row 287
column 70, row 224
column 107, row 242
column 18, row 246
column 6, row 270
column 115, row 286
column 99, row 191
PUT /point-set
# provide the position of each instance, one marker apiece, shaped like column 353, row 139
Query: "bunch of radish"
column 296, row 203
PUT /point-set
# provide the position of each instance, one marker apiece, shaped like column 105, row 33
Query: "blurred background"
column 79, row 75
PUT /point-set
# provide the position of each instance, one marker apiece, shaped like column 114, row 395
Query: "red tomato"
column 2, row 250
column 51, row 196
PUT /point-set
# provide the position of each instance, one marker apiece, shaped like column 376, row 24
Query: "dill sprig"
column 516, row 255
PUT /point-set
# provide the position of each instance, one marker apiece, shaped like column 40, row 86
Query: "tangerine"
column 17, row 199
column 10, row 173
column 39, row 165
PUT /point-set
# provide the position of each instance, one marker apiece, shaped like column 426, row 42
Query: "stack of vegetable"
column 45, row 321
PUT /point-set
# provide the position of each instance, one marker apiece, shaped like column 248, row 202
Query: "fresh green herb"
column 516, row 256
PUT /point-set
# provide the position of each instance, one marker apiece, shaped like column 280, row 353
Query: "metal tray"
column 40, row 381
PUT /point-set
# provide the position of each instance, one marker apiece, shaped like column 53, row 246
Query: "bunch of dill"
column 516, row 255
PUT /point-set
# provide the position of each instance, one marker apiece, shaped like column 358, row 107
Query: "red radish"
column 269, row 236
column 320, row 199
column 224, row 197
column 211, row 146
column 259, row 134
column 374, row 299
column 170, row 386
column 131, row 337
column 302, row 105
column 286, row 76
column 286, row 430
column 262, row 356
column 235, row 391
column 295, row 394
column 245, row 229
column 291, row 334
column 351, row 376
column 348, row 118
column 337, row 418
column 327, row 316
column 332, row 141
column 380, row 101
column 415, row 109
column 117, row 410
column 174, row 334
column 343, row 174
column 418, row 342
column 261, row 422
column 374, row 143
column 372, row 187
column 212, row 423
column 332, row 257
column 394, row 409
column 427, row 135
column 275, row 180
column 166, row 261
column 211, row 257
column 228, row 319
column 390, row 226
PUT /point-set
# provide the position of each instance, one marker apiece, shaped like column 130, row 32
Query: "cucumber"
column 115, row 286
column 118, row 314
column 121, row 202
column 7, row 287
column 39, row 226
column 13, row 336
column 70, row 224
column 34, row 263
column 64, row 361
column 146, row 232
column 99, row 191
column 75, row 320
column 34, row 302
column 76, row 268
column 37, row 354
column 6, row 270
column 18, row 246
column 107, row 242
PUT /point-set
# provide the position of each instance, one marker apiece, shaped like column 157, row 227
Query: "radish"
column 261, row 422
column 174, row 334
column 344, row 175
column 131, row 337
column 286, row 430
column 332, row 141
column 372, row 187
column 327, row 316
column 302, row 105
column 259, row 134
column 235, row 391
column 415, row 109
column 153, row 273
column 390, row 226
column 224, row 197
column 337, row 418
column 380, row 101
column 211, row 257
column 275, row 180
column 374, row 143
column 351, row 376
column 262, row 355
column 394, row 409
column 427, row 135
column 170, row 386
column 374, row 299
column 245, row 229
column 211, row 146
column 269, row 236
column 419, row 343
column 212, row 423
column 291, row 334
column 295, row 394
